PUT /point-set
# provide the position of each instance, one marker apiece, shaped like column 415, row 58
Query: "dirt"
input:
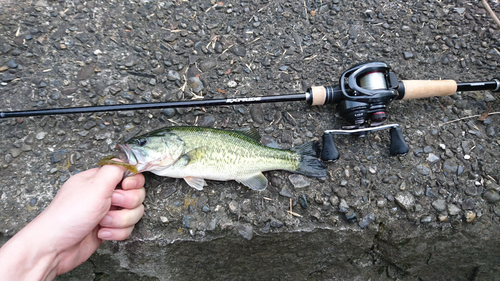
column 432, row 214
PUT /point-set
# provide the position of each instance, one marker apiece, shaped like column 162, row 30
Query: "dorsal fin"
column 249, row 132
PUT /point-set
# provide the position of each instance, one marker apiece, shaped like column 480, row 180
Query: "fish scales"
column 233, row 155
column 196, row 154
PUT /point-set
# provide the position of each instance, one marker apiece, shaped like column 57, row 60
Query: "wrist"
column 27, row 257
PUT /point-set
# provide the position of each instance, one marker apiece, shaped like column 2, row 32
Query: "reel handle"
column 415, row 89
column 398, row 144
column 330, row 153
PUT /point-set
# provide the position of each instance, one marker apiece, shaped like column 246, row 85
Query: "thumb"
column 107, row 178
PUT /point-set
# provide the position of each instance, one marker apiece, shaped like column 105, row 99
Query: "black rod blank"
column 157, row 105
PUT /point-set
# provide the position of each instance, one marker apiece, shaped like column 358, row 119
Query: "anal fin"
column 256, row 182
column 197, row 183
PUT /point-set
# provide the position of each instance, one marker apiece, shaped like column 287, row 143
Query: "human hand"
column 86, row 210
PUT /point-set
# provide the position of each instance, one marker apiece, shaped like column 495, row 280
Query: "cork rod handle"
column 415, row 89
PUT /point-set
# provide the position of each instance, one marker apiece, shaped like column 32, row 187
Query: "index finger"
column 133, row 182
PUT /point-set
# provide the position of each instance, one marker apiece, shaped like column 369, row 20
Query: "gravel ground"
column 81, row 53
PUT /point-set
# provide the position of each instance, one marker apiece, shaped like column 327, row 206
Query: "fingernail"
column 106, row 220
column 117, row 198
column 131, row 183
column 105, row 234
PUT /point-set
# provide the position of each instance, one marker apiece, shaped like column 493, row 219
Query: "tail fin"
column 309, row 163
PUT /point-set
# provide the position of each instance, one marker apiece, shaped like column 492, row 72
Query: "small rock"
column 423, row 169
column 381, row 202
column 173, row 75
column 432, row 158
column 315, row 213
column 303, row 201
column 12, row 64
column 453, row 210
column 439, row 205
column 408, row 55
column 233, row 207
column 468, row 204
column 286, row 191
column 195, row 84
column 275, row 223
column 232, row 84
column 15, row 152
column 164, row 219
column 450, row 166
column 426, row 219
column 207, row 65
column 186, row 221
column 351, row 216
column 442, row 217
column 470, row 216
column 343, row 207
column 405, row 200
column 299, row 181
column 89, row 125
column 491, row 196
column 239, row 50
column 245, row 230
column 58, row 156
column 367, row 220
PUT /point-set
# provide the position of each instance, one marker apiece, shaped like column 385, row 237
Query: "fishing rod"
column 362, row 96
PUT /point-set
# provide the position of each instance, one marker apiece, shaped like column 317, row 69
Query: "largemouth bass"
column 196, row 154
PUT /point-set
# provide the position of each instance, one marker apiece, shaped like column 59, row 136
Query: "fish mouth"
column 126, row 154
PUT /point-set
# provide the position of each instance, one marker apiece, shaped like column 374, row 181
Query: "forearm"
column 26, row 257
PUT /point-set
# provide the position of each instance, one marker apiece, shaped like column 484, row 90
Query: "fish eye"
column 141, row 142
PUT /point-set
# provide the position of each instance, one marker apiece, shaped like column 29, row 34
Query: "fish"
column 197, row 154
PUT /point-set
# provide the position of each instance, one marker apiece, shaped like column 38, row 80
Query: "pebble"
column 233, row 207
column 343, row 207
column 232, row 84
column 239, row 50
column 367, row 220
column 408, row 55
column 207, row 65
column 58, row 156
column 245, row 230
column 12, row 64
column 426, row 219
column 381, row 202
column 453, row 210
column 275, row 223
column 423, row 169
column 299, row 181
column 468, row 204
column 195, row 84
column 303, row 201
column 186, row 221
column 405, row 200
column 439, row 205
column 286, row 191
column 432, row 158
column 173, row 75
column 470, row 216
column 351, row 216
column 491, row 196
column 450, row 166
column 164, row 219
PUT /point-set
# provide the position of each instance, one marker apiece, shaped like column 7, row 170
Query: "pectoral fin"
column 195, row 155
column 256, row 182
column 197, row 183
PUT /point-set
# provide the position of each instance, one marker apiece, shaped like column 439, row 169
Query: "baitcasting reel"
column 362, row 96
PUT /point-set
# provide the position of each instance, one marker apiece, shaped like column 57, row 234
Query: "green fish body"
column 196, row 154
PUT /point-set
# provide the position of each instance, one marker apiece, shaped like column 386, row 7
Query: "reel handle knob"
column 330, row 152
column 398, row 144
